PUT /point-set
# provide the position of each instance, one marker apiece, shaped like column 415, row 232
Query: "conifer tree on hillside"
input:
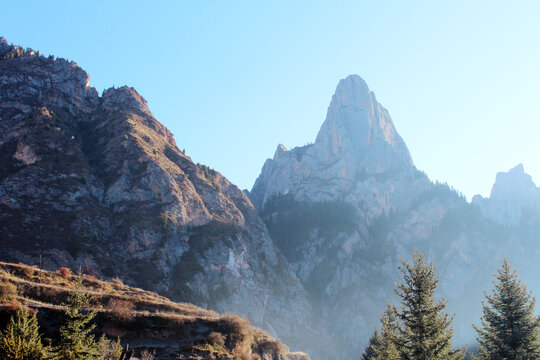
column 76, row 339
column 369, row 352
column 21, row 340
column 425, row 332
column 509, row 327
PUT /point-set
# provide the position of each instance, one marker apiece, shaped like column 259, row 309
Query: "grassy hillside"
column 147, row 322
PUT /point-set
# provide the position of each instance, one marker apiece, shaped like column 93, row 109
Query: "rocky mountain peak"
column 28, row 79
column 124, row 97
column 512, row 192
column 4, row 46
column 351, row 91
column 280, row 151
column 359, row 127
column 512, row 184
column 357, row 140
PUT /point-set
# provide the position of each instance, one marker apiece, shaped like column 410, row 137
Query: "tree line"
column 420, row 329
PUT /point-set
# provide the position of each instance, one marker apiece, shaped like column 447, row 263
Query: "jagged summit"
column 357, row 139
column 351, row 91
column 30, row 79
column 512, row 192
column 357, row 125
column 124, row 97
column 514, row 183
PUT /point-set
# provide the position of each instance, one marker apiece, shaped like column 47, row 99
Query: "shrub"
column 146, row 355
column 28, row 271
column 242, row 353
column 8, row 291
column 216, row 338
column 122, row 309
column 118, row 282
column 14, row 305
column 110, row 350
column 64, row 272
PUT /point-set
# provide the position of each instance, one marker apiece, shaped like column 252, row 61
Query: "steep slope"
column 97, row 182
column 345, row 209
column 143, row 320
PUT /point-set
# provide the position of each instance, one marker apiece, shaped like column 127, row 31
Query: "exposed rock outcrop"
column 512, row 193
column 356, row 143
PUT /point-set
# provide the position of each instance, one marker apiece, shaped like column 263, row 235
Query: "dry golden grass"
column 227, row 336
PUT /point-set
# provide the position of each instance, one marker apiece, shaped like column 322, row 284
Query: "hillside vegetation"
column 148, row 323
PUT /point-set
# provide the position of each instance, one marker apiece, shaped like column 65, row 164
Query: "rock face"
column 96, row 182
column 512, row 193
column 345, row 209
column 356, row 142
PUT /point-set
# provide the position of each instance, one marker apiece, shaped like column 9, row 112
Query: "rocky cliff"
column 356, row 144
column 97, row 183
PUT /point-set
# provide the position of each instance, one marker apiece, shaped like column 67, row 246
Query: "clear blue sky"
column 231, row 80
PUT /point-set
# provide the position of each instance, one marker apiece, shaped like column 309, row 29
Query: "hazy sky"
column 231, row 80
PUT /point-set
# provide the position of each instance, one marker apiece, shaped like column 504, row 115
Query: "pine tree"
column 21, row 339
column 369, row 352
column 386, row 349
column 509, row 328
column 76, row 339
column 425, row 332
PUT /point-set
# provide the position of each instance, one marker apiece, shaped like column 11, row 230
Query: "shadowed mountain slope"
column 97, row 182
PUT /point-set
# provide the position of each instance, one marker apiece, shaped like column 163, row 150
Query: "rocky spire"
column 357, row 140
column 359, row 128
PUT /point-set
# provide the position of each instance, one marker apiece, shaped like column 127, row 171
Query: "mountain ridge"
column 394, row 210
column 97, row 182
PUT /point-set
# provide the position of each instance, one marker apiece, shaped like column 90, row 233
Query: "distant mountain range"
column 309, row 254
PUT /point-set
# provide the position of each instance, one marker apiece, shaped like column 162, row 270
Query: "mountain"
column 97, row 183
column 356, row 144
column 143, row 320
column 346, row 209
column 513, row 193
column 310, row 254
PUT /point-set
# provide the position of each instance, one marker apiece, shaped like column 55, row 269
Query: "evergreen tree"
column 374, row 341
column 386, row 349
column 76, row 339
column 425, row 332
column 21, row 340
column 509, row 328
